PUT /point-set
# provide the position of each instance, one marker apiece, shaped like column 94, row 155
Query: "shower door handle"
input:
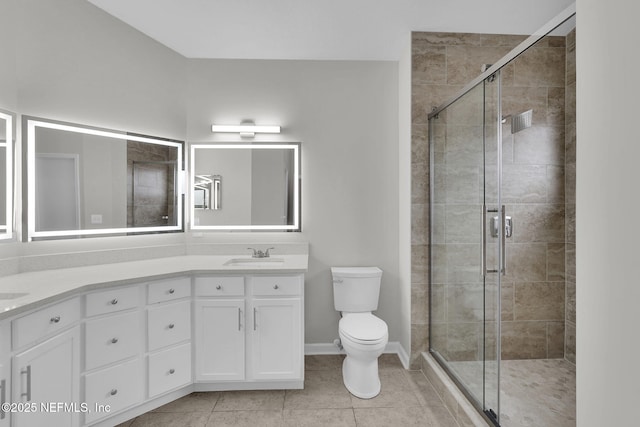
column 483, row 245
column 503, row 241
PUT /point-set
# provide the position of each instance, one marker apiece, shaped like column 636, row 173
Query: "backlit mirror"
column 250, row 187
column 83, row 181
column 6, row 174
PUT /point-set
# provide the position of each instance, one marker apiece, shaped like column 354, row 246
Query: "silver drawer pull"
column 171, row 290
column 218, row 287
column 276, row 286
column 172, row 371
column 55, row 319
column 114, row 340
column 113, row 392
column 171, row 325
column 27, row 371
column 114, row 301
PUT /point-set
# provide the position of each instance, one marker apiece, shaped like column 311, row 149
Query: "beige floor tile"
column 194, row 402
column 246, row 419
column 389, row 361
column 251, row 400
column 425, row 392
column 396, row 392
column 439, row 416
column 322, row 390
column 172, row 419
column 323, row 362
column 386, row 417
column 319, row 418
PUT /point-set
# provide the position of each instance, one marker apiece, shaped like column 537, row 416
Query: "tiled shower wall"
column 570, row 200
column 533, row 293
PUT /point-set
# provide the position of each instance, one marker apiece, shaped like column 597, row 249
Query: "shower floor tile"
column 538, row 393
column 534, row 393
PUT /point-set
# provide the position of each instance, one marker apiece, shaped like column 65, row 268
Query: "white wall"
column 346, row 116
column 608, row 207
column 79, row 64
column 68, row 60
column 8, row 77
column 404, row 192
column 75, row 63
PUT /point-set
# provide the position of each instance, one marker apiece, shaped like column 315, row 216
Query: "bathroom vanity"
column 95, row 346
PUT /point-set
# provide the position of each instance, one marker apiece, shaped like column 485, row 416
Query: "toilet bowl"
column 364, row 338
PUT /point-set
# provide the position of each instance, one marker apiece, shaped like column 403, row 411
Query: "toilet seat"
column 363, row 328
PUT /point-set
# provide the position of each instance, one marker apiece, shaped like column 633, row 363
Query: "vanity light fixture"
column 245, row 129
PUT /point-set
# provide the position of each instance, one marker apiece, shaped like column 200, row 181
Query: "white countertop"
column 43, row 287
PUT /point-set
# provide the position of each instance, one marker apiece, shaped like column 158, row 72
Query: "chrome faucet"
column 257, row 253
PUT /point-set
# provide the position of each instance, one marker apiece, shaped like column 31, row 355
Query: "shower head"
column 520, row 121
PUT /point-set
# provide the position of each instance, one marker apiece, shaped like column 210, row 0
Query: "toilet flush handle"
column 337, row 280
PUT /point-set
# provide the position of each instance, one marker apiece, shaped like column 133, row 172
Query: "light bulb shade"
column 246, row 129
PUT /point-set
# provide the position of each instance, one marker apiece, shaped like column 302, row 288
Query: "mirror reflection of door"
column 153, row 201
column 57, row 192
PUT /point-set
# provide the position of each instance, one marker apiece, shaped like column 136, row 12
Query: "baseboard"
column 393, row 347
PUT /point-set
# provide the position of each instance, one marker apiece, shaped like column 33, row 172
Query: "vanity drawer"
column 169, row 369
column 112, row 300
column 168, row 290
column 45, row 321
column 119, row 387
column 169, row 324
column 112, row 338
column 276, row 285
column 232, row 286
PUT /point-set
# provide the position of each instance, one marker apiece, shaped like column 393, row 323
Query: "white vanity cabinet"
column 46, row 376
column 249, row 331
column 5, row 371
column 113, row 351
column 169, row 335
column 276, row 336
column 220, row 328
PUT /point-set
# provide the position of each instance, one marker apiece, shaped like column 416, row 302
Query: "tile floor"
column 407, row 399
column 533, row 393
column 538, row 393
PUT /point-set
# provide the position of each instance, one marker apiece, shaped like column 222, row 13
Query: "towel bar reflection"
column 217, row 192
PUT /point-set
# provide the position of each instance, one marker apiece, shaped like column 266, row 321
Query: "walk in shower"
column 502, row 279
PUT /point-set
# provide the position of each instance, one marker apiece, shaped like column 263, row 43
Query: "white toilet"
column 363, row 335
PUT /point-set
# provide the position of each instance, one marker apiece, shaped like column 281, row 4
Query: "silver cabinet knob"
column 113, row 391
column 172, row 371
column 55, row 319
column 171, row 325
column 276, row 286
column 114, row 301
column 171, row 290
column 218, row 287
column 114, row 340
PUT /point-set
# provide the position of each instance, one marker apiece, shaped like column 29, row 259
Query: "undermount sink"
column 12, row 295
column 255, row 262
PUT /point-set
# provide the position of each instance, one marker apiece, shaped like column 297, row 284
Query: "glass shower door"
column 464, row 327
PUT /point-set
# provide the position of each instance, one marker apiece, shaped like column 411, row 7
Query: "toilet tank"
column 356, row 289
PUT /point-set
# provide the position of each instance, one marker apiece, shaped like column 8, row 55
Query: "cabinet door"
column 5, row 372
column 47, row 375
column 276, row 339
column 220, row 337
column 5, row 376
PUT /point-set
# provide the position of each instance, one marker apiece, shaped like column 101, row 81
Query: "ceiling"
column 319, row 29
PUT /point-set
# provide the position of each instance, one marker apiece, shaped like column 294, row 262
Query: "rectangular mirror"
column 83, row 181
column 249, row 187
column 6, row 174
